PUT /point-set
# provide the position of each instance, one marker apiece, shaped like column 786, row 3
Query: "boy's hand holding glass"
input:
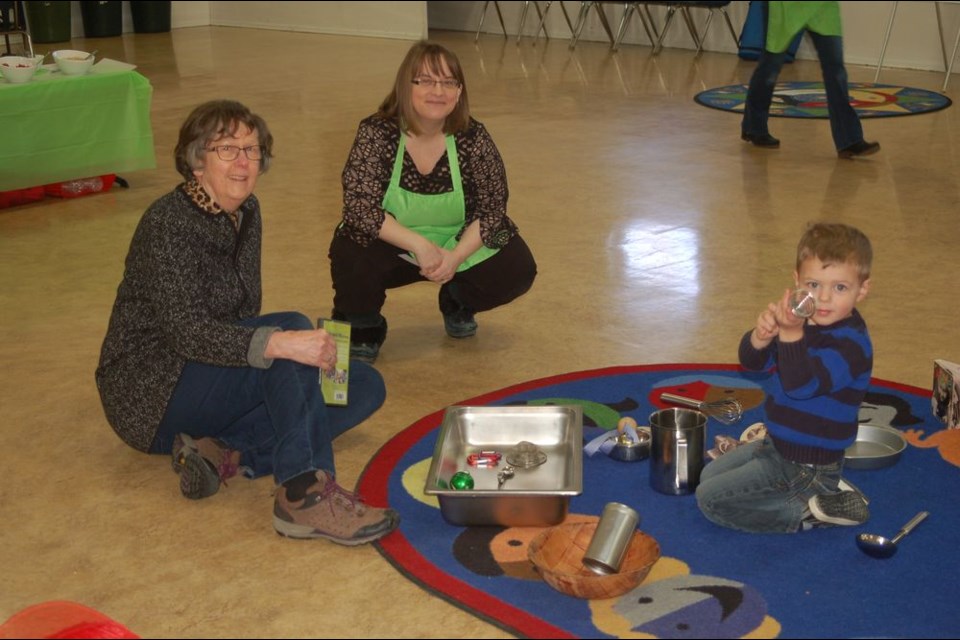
column 790, row 324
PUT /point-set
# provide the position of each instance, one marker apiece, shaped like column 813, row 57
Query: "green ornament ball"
column 461, row 481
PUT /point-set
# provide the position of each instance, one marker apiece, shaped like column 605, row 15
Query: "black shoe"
column 364, row 351
column 847, row 508
column 460, row 324
column 761, row 140
column 365, row 340
column 862, row 148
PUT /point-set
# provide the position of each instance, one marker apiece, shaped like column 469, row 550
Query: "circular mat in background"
column 809, row 100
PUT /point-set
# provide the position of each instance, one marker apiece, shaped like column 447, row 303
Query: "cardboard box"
column 945, row 399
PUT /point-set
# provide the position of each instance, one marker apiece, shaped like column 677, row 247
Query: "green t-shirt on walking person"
column 787, row 19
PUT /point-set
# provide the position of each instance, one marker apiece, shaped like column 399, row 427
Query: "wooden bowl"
column 557, row 554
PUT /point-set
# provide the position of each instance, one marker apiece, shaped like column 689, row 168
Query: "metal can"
column 610, row 541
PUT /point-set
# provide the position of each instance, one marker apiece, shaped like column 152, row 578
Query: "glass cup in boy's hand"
column 803, row 303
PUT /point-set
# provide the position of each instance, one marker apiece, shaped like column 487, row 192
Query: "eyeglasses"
column 448, row 84
column 230, row 152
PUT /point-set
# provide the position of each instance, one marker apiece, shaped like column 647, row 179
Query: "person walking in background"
column 822, row 21
column 425, row 199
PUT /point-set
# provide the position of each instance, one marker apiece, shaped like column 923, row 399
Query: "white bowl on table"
column 72, row 62
column 18, row 69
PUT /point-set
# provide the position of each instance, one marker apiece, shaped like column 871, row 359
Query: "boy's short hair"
column 834, row 242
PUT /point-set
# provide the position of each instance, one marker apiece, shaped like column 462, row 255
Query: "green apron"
column 787, row 19
column 438, row 218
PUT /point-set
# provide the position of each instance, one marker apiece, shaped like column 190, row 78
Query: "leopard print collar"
column 205, row 203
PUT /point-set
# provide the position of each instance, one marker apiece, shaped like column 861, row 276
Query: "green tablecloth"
column 57, row 128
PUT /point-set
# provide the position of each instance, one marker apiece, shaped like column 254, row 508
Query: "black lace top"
column 366, row 177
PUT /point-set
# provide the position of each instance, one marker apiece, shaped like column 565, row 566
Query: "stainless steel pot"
column 677, row 450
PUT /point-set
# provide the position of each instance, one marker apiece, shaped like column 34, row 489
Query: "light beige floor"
column 659, row 236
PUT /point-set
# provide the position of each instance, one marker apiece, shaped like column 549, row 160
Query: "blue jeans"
column 753, row 488
column 275, row 417
column 844, row 121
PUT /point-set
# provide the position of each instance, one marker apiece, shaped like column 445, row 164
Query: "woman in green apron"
column 425, row 199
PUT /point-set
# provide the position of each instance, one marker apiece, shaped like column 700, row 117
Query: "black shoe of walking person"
column 862, row 148
column 764, row 140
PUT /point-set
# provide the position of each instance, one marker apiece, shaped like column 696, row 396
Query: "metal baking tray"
column 877, row 446
column 537, row 496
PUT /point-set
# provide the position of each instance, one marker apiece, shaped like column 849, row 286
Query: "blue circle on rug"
column 809, row 100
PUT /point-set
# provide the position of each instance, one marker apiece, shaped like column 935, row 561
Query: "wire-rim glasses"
column 448, row 84
column 230, row 152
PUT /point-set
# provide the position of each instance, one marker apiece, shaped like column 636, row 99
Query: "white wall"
column 182, row 14
column 403, row 20
column 913, row 42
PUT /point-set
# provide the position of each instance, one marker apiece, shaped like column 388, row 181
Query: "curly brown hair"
column 211, row 121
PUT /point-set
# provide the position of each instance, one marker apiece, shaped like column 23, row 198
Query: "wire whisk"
column 727, row 411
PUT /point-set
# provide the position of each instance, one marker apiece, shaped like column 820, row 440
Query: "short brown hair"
column 211, row 121
column 398, row 104
column 834, row 242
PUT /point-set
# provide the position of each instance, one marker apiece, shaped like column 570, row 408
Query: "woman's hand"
column 444, row 270
column 428, row 255
column 451, row 260
column 314, row 347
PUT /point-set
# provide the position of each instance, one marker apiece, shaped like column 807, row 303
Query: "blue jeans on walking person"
column 753, row 488
column 275, row 417
column 844, row 121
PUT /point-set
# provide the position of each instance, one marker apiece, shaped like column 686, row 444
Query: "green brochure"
column 333, row 384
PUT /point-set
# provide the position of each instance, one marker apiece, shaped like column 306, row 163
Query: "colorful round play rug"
column 709, row 582
column 809, row 100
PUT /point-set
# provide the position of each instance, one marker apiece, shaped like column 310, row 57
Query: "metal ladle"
column 880, row 547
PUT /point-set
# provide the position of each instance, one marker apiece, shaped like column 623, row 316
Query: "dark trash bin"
column 49, row 21
column 102, row 19
column 150, row 17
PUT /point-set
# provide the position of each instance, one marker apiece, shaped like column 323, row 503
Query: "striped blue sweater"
column 819, row 383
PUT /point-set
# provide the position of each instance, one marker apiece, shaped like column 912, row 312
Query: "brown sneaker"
column 330, row 511
column 203, row 464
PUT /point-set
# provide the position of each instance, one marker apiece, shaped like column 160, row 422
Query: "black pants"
column 362, row 275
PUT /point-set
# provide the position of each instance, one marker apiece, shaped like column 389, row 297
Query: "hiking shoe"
column 365, row 351
column 846, row 508
column 460, row 324
column 203, row 464
column 862, row 148
column 330, row 511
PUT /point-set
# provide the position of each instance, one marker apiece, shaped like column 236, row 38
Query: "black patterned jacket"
column 189, row 277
